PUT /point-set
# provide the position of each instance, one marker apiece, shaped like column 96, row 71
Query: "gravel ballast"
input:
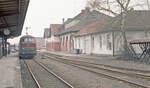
column 81, row 78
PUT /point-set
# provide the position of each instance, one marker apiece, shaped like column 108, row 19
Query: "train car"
column 27, row 47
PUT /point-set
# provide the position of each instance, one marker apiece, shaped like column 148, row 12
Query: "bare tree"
column 148, row 4
column 111, row 6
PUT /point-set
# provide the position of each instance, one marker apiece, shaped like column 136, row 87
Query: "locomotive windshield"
column 27, row 40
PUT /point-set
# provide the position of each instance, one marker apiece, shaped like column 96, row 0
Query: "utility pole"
column 27, row 30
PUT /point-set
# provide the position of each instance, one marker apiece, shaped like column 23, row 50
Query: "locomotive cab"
column 27, row 47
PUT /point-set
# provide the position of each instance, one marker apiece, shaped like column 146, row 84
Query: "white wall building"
column 108, row 39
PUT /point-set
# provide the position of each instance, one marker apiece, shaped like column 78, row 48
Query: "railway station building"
column 108, row 38
column 67, row 34
column 93, row 32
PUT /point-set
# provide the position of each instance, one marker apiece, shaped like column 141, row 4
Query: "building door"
column 87, row 47
column 66, row 46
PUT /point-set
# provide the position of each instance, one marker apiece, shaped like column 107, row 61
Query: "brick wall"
column 53, row 46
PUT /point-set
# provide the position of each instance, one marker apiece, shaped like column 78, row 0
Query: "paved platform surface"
column 10, row 75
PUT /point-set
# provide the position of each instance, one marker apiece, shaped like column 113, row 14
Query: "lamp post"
column 6, row 32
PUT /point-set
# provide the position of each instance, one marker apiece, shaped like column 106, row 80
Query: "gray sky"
column 42, row 13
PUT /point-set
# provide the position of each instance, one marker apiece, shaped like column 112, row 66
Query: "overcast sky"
column 42, row 13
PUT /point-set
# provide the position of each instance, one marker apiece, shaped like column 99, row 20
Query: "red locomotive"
column 27, row 47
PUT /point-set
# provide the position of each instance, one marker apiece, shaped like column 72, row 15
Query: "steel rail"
column 115, row 78
column 51, row 72
column 114, row 67
column 116, row 71
column 87, row 64
column 106, row 75
column 34, row 78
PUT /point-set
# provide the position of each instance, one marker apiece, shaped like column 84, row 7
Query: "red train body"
column 27, row 47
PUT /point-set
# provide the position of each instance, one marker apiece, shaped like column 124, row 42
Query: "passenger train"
column 27, row 47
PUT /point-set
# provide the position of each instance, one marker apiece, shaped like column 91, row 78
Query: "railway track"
column 28, row 80
column 104, row 65
column 33, row 76
column 87, row 66
column 133, row 72
column 38, row 81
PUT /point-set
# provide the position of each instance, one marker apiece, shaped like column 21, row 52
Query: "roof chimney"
column 86, row 10
column 131, row 9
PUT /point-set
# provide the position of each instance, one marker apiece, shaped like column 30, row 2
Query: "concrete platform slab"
column 10, row 75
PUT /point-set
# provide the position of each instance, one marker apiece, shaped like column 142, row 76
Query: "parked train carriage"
column 27, row 47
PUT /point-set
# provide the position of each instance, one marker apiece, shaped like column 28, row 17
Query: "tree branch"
column 127, row 4
column 107, row 10
column 121, row 5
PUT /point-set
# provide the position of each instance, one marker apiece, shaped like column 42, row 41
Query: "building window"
column 63, row 41
column 76, row 42
column 49, row 33
column 66, row 42
column 60, row 41
column 109, row 42
column 79, row 42
column 93, row 42
column 100, row 42
column 72, row 43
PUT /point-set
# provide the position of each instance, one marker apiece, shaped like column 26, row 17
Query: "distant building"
column 46, row 33
column 53, row 42
column 40, row 43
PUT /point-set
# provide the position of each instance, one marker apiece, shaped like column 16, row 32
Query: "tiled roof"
column 55, row 28
column 88, row 18
column 134, row 20
column 91, row 28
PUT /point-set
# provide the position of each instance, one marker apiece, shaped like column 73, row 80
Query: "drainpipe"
column 3, row 47
column 91, row 46
column 113, row 43
column 5, row 42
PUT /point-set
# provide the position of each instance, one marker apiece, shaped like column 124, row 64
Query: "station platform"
column 10, row 75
